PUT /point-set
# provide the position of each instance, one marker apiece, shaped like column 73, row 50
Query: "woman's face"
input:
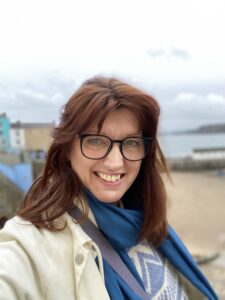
column 109, row 178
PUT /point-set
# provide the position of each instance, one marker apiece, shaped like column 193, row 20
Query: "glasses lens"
column 134, row 148
column 95, row 146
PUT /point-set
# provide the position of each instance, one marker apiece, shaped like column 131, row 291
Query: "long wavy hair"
column 53, row 193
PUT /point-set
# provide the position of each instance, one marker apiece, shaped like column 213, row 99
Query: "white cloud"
column 216, row 99
column 168, row 53
column 201, row 102
column 192, row 108
column 57, row 98
column 36, row 100
column 31, row 94
column 48, row 47
column 86, row 34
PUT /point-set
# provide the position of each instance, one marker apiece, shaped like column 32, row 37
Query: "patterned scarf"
column 121, row 227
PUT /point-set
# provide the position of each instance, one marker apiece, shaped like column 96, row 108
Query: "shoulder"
column 25, row 233
column 29, row 237
column 20, row 259
column 19, row 229
column 36, row 256
column 21, row 241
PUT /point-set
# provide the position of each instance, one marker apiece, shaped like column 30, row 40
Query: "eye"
column 131, row 143
column 94, row 141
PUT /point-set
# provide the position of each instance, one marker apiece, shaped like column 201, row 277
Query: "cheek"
column 81, row 165
column 135, row 168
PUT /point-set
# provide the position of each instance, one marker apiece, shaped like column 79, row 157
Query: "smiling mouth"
column 109, row 177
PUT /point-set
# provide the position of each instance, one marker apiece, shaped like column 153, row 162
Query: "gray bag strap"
column 109, row 254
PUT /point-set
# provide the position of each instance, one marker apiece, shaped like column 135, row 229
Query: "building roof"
column 19, row 124
column 3, row 115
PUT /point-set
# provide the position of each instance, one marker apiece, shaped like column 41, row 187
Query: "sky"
column 173, row 49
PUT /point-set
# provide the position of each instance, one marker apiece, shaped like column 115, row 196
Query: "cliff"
column 204, row 129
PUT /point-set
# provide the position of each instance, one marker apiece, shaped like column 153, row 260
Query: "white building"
column 208, row 153
column 17, row 136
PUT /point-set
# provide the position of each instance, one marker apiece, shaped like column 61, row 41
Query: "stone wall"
column 10, row 197
column 188, row 164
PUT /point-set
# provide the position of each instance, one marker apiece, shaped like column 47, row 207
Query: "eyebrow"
column 137, row 134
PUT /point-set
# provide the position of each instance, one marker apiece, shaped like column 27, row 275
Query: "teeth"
column 109, row 178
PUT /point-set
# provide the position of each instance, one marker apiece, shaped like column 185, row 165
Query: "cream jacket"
column 37, row 264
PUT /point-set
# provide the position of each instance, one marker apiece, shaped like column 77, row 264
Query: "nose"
column 114, row 160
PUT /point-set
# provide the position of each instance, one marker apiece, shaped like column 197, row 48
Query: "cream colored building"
column 31, row 136
column 37, row 136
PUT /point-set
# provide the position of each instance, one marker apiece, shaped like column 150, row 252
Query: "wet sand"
column 196, row 209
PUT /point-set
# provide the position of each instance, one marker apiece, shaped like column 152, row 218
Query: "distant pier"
column 200, row 159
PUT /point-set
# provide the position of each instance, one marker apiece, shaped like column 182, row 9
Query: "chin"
column 108, row 198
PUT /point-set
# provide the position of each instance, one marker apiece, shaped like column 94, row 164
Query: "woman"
column 104, row 159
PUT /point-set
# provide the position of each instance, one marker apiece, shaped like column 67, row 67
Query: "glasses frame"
column 147, row 141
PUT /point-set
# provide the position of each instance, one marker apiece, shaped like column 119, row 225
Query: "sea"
column 181, row 145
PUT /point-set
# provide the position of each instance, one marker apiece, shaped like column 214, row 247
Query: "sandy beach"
column 196, row 209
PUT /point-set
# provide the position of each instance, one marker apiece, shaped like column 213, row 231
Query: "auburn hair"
column 53, row 193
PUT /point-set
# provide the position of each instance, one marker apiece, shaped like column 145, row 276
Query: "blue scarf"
column 122, row 227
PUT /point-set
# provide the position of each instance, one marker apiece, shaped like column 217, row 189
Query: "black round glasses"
column 97, row 146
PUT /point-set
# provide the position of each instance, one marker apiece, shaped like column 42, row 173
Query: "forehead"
column 121, row 121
